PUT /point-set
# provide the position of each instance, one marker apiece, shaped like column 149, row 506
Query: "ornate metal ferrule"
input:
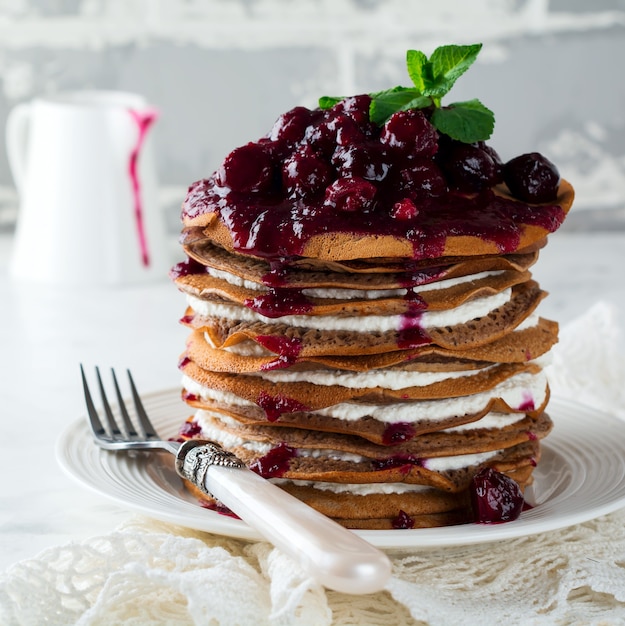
column 196, row 456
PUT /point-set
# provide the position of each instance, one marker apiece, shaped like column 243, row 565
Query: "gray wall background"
column 221, row 71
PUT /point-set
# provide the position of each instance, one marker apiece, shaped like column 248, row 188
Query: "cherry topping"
column 494, row 155
column 275, row 463
column 336, row 129
column 248, row 168
column 410, row 132
column 470, row 168
column 356, row 107
column 405, row 209
column 402, row 521
column 495, row 497
column 305, row 173
column 369, row 161
column 423, row 178
column 350, row 194
column 532, row 178
column 291, row 126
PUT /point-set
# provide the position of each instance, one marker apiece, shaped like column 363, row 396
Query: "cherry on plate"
column 495, row 497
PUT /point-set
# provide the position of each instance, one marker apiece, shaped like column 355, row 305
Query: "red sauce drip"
column 404, row 462
column 531, row 436
column 184, row 361
column 395, row 434
column 275, row 463
column 411, row 335
column 186, row 267
column 402, row 521
column 423, row 276
column 187, row 319
column 190, row 429
column 287, row 348
column 187, row 431
column 277, row 274
column 528, row 402
column 143, row 120
column 280, row 301
column 275, row 406
column 189, row 397
column 222, row 509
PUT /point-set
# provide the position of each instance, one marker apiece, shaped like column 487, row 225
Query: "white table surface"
column 46, row 332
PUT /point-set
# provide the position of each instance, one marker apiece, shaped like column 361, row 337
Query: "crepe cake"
column 363, row 319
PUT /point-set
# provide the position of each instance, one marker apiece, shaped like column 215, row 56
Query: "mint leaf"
column 447, row 64
column 416, row 62
column 468, row 121
column 327, row 102
column 385, row 103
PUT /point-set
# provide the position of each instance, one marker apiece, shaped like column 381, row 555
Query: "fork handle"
column 333, row 555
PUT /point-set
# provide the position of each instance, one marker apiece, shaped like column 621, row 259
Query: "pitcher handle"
column 18, row 122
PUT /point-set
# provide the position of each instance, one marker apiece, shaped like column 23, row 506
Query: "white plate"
column 581, row 476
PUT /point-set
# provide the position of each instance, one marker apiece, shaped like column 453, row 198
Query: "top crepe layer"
column 491, row 222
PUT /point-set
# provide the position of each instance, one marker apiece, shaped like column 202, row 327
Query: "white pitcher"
column 87, row 185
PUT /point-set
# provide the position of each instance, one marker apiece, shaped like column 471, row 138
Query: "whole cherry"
column 532, row 177
column 304, row 173
column 246, row 169
column 410, row 132
column 350, row 194
column 495, row 497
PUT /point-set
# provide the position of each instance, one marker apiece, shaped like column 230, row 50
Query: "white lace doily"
column 148, row 572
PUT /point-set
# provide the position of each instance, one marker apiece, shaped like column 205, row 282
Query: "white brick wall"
column 222, row 70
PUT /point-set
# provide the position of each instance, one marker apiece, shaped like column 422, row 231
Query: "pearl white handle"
column 338, row 558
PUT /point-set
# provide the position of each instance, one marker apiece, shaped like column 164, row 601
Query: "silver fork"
column 336, row 557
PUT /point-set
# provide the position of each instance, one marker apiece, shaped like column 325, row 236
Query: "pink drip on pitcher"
column 143, row 119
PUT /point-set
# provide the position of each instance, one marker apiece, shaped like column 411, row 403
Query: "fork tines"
column 109, row 427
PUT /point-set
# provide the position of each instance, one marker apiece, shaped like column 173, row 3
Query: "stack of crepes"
column 367, row 342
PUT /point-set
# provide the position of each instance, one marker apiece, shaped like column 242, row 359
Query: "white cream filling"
column 490, row 420
column 232, row 279
column 516, row 391
column 478, row 307
column 385, row 379
column 460, row 461
column 350, row 294
column 529, row 322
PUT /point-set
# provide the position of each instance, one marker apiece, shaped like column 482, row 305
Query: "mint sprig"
column 432, row 78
